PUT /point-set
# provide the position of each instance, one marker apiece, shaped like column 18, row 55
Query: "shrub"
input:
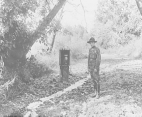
column 36, row 69
column 77, row 46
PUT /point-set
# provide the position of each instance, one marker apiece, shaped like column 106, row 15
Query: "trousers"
column 64, row 72
column 96, row 80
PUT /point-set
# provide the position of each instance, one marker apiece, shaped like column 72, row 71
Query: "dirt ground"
column 121, row 91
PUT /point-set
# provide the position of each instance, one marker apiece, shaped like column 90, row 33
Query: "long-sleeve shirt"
column 94, row 58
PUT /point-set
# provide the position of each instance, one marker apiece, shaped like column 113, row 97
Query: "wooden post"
column 64, row 61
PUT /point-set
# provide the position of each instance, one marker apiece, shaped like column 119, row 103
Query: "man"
column 94, row 60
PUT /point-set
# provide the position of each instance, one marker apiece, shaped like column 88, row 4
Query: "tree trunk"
column 139, row 3
column 53, row 40
column 46, row 21
column 15, row 56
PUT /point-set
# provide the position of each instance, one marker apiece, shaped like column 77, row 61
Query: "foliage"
column 76, row 42
column 120, row 90
column 17, row 36
column 22, row 23
column 74, row 39
column 117, row 22
column 36, row 70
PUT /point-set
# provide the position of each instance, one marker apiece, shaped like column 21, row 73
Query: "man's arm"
column 98, row 59
column 88, row 61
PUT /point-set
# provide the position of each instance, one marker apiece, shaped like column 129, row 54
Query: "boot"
column 97, row 95
column 95, row 89
column 98, row 91
column 95, row 92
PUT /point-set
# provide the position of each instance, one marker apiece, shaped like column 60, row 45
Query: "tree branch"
column 46, row 21
column 139, row 6
column 84, row 13
column 73, row 4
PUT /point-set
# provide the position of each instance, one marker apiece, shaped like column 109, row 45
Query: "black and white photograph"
column 70, row 58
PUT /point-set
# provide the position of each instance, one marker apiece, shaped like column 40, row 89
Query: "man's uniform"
column 94, row 60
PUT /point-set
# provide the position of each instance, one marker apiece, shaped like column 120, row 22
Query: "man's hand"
column 95, row 70
column 87, row 72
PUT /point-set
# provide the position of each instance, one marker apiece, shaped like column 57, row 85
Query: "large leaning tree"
column 16, row 35
column 139, row 5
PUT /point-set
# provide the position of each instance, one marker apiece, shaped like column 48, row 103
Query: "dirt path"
column 121, row 92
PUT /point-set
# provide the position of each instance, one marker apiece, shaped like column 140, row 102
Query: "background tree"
column 117, row 23
column 139, row 2
column 22, row 23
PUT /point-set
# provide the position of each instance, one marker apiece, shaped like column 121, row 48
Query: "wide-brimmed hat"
column 92, row 40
